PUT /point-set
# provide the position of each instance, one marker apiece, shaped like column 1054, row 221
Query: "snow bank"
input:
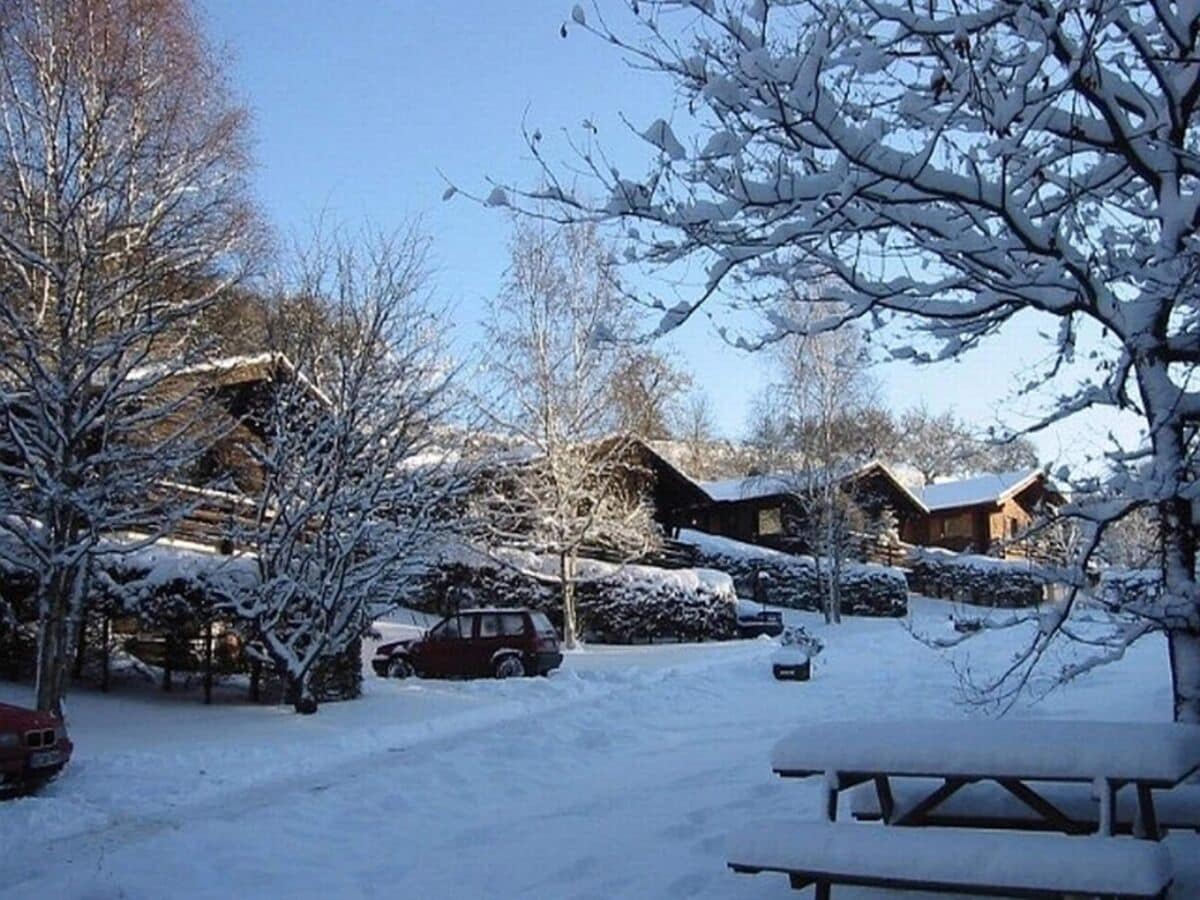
column 793, row 580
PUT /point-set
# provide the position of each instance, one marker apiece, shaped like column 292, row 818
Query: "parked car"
column 475, row 643
column 33, row 748
column 754, row 619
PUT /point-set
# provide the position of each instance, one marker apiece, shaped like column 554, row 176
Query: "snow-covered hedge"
column 617, row 604
column 170, row 592
column 1130, row 587
column 793, row 581
column 980, row 580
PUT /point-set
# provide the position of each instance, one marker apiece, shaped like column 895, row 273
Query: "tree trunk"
column 1180, row 599
column 566, row 574
column 54, row 638
column 208, row 662
column 300, row 694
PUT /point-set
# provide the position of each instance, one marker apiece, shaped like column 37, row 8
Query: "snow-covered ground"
column 619, row 776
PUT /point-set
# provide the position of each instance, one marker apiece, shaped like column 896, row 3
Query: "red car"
column 475, row 643
column 33, row 748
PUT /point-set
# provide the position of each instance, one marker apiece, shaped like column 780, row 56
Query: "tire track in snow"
column 245, row 800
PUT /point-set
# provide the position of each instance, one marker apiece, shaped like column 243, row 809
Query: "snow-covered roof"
column 749, row 487
column 992, row 487
column 772, row 484
column 229, row 370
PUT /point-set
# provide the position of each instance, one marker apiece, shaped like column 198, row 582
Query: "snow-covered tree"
column 955, row 165
column 358, row 494
column 123, row 212
column 571, row 484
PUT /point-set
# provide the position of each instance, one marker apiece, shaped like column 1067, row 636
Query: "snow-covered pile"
column 615, row 603
column 793, row 581
column 981, row 580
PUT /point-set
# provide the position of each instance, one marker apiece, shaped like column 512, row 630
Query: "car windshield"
column 542, row 624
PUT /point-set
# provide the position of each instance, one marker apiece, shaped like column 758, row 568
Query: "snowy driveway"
column 626, row 789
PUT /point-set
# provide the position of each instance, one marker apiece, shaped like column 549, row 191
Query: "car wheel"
column 509, row 667
column 399, row 667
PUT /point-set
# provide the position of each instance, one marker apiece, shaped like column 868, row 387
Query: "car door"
column 440, row 653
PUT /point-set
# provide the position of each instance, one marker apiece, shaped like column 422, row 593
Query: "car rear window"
column 541, row 624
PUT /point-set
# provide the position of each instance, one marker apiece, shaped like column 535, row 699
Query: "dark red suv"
column 475, row 643
column 33, row 748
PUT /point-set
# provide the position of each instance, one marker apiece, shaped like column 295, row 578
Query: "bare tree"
column 953, row 166
column 647, row 389
column 123, row 212
column 811, row 432
column 695, row 427
column 941, row 446
column 551, row 360
column 357, row 495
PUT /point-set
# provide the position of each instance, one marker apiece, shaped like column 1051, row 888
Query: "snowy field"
column 617, row 777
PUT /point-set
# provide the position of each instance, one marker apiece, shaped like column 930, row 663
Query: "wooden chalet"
column 768, row 509
column 985, row 514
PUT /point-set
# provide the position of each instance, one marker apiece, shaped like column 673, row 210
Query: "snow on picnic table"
column 619, row 776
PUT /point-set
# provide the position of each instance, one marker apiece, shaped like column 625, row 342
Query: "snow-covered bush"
column 1130, row 588
column 797, row 638
column 792, row 581
column 162, row 596
column 980, row 580
column 615, row 603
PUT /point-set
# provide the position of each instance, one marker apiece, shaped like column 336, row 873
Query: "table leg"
column 887, row 803
column 1146, row 825
column 1106, row 793
column 822, row 892
column 832, row 782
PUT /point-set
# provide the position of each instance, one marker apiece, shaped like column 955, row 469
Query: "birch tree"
column 359, row 490
column 955, row 166
column 812, row 433
column 551, row 358
column 123, row 212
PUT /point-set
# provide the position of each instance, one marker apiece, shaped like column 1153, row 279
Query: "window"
column 957, row 526
column 770, row 520
column 512, row 624
column 449, row 629
column 489, row 625
column 542, row 624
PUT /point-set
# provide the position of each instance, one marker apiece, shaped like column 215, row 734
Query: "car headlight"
column 60, row 733
column 10, row 739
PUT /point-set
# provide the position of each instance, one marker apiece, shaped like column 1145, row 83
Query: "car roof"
column 495, row 609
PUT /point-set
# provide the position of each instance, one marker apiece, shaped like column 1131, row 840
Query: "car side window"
column 489, row 625
column 512, row 624
column 450, row 629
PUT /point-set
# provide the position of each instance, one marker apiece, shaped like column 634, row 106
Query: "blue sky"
column 358, row 105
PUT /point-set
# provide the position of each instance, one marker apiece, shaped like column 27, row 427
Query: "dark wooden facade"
column 772, row 516
column 993, row 525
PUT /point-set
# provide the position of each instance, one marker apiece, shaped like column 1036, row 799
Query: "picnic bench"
column 989, row 805
column 915, row 769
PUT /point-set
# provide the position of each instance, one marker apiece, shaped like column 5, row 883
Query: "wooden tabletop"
column 1152, row 753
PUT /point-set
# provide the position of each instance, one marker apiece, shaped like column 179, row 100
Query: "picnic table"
column 1025, row 760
